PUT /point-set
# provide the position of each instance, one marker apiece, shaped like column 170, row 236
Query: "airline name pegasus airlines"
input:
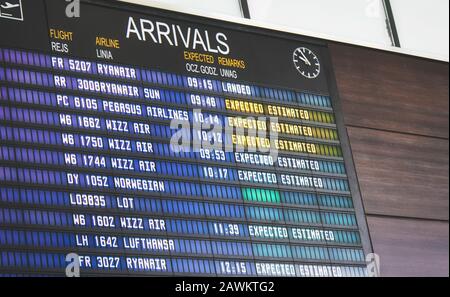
column 176, row 35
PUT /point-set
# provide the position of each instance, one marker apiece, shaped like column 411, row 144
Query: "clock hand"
column 305, row 59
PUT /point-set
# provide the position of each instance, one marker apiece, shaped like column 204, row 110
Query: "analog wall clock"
column 306, row 62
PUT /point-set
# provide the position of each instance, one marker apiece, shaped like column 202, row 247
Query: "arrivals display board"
column 143, row 142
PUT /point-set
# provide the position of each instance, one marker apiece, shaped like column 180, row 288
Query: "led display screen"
column 147, row 142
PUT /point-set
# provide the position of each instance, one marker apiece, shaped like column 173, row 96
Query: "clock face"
column 306, row 62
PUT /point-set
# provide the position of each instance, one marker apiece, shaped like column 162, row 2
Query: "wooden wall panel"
column 396, row 109
column 409, row 247
column 392, row 92
column 401, row 175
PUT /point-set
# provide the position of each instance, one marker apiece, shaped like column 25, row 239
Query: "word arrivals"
column 175, row 35
column 187, row 287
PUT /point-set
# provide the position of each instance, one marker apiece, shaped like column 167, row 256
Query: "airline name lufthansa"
column 176, row 35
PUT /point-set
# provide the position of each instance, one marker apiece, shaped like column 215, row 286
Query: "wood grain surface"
column 402, row 175
column 409, row 247
column 387, row 91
